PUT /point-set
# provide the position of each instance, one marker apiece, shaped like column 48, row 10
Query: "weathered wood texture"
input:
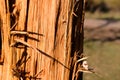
column 40, row 39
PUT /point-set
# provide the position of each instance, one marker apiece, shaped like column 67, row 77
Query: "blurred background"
column 102, row 39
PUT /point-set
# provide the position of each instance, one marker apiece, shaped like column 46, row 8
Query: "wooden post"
column 41, row 39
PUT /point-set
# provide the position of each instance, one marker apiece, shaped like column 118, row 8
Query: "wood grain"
column 52, row 31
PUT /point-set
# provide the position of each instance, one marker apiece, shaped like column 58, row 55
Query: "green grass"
column 105, row 59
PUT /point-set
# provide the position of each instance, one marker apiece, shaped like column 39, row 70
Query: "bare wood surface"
column 53, row 29
column 6, row 52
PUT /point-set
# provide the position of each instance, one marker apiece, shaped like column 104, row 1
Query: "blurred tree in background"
column 102, row 5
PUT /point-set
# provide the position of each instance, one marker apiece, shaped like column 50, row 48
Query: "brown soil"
column 103, row 30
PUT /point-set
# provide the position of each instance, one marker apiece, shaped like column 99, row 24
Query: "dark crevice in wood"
column 77, row 36
column 56, row 24
column 79, row 33
column 11, row 3
column 25, row 54
column 35, row 68
column 6, row 8
column 71, row 55
column 1, row 24
column 18, row 71
column 25, row 38
column 26, row 21
column 1, row 40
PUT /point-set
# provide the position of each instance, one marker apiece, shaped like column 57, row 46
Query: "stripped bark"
column 54, row 31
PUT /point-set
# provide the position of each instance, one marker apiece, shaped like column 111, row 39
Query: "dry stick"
column 83, row 70
column 13, row 26
column 88, row 71
column 79, row 60
column 19, row 32
column 39, row 51
column 21, row 78
column 74, row 14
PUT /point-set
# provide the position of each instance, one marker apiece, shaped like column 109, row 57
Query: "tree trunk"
column 41, row 39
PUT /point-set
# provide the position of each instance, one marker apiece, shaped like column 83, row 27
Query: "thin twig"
column 21, row 78
column 19, row 32
column 74, row 14
column 38, row 73
column 83, row 70
column 13, row 26
column 82, row 59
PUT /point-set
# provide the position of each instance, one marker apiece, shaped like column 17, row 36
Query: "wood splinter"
column 74, row 14
column 82, row 59
column 14, row 26
column 19, row 32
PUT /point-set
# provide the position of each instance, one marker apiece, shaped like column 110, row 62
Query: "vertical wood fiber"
column 6, row 50
column 52, row 29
